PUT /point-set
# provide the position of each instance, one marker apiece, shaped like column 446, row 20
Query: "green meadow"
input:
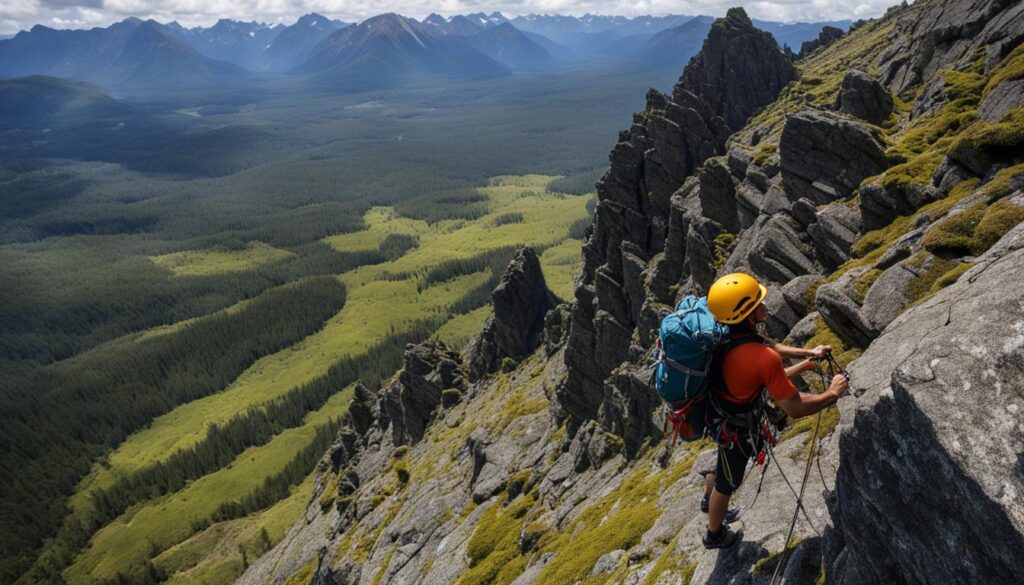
column 378, row 304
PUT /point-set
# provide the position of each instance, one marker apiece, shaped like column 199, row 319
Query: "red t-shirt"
column 750, row 366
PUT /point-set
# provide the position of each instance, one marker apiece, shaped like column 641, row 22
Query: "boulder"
column 841, row 312
column 887, row 297
column 862, row 96
column 739, row 161
column 824, row 156
column 520, row 301
column 781, row 316
column 778, row 252
column 937, row 412
column 796, row 292
column 881, row 204
column 834, row 232
column 803, row 331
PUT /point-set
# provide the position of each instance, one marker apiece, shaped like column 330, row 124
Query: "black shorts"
column 732, row 463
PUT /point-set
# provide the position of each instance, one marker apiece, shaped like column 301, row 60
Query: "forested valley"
column 196, row 279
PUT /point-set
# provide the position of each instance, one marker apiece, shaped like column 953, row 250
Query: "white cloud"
column 23, row 14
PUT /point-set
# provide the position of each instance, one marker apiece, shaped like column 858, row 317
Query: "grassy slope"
column 207, row 262
column 374, row 308
column 168, row 521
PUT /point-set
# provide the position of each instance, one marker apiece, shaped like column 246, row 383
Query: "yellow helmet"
column 734, row 296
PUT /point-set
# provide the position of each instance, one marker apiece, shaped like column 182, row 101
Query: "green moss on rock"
column 973, row 230
column 1000, row 185
column 765, row 152
column 863, row 284
column 330, row 494
column 724, row 246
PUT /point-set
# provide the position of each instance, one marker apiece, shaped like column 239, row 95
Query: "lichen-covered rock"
column 825, row 156
column 939, row 415
column 862, row 96
column 520, row 301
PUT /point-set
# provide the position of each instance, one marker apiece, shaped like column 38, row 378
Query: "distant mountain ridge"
column 477, row 44
column 129, row 51
column 390, row 47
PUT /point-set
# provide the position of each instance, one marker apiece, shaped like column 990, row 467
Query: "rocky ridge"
column 892, row 240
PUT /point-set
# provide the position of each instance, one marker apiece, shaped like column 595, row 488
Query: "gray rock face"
column 824, row 156
column 1003, row 98
column 934, row 35
column 778, row 251
column 738, row 70
column 862, row 96
column 521, row 300
column 842, row 313
column 556, row 328
column 717, row 195
column 938, row 423
column 834, row 232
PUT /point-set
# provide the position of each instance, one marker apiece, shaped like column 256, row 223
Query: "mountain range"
column 378, row 51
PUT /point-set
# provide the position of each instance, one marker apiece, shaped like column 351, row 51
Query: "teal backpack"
column 687, row 339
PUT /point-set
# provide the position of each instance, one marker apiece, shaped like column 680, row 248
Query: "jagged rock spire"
column 739, row 69
column 520, row 302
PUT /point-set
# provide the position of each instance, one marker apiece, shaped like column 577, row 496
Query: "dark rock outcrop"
column 862, row 96
column 827, row 36
column 650, row 231
column 825, row 156
column 738, row 70
column 408, row 403
column 938, row 414
column 520, row 301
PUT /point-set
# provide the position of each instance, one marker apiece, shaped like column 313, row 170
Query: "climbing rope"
column 832, row 366
column 799, row 503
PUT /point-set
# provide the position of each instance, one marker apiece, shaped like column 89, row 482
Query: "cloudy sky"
column 16, row 15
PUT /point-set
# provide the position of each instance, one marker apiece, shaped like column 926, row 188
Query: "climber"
column 745, row 367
